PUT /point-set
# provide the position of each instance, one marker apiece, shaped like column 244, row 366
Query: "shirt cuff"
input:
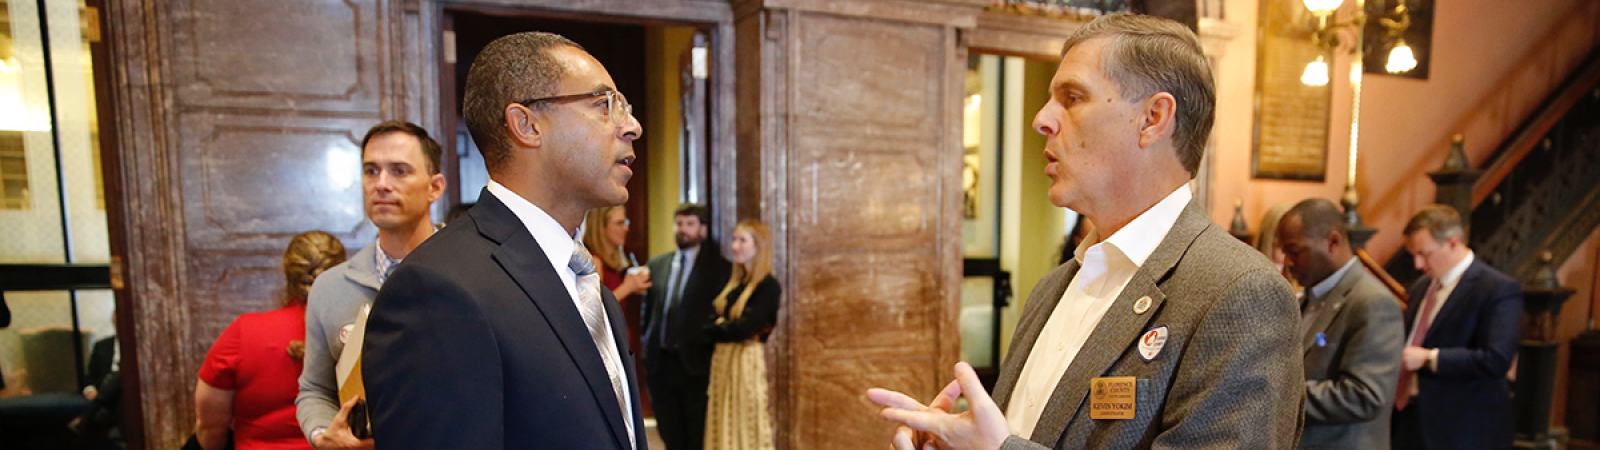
column 313, row 436
column 1433, row 360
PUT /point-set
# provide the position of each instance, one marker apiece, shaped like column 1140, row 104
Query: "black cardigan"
column 760, row 314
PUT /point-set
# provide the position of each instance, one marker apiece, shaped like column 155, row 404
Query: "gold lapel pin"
column 1142, row 305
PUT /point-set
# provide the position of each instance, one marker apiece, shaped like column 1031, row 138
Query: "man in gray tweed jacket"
column 400, row 180
column 1163, row 331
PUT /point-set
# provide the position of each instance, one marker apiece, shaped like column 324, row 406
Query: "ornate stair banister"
column 1537, row 190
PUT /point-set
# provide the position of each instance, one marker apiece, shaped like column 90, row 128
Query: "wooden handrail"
column 1383, row 276
column 1529, row 135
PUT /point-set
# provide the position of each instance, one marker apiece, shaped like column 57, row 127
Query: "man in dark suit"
column 1352, row 332
column 675, row 309
column 1163, row 331
column 495, row 333
column 1462, row 323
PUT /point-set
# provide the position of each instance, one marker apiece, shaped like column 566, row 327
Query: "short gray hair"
column 1147, row 55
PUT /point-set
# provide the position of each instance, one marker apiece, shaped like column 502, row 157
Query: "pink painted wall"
column 1493, row 62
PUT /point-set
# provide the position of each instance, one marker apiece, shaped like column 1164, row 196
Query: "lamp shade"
column 1316, row 73
column 1323, row 7
column 1400, row 58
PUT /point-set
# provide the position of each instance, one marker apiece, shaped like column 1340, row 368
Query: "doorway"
column 663, row 68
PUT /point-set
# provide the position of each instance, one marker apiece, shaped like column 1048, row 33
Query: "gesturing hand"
column 981, row 427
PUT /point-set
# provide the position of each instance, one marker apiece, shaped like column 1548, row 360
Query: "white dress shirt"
column 1106, row 268
column 558, row 247
column 1446, row 286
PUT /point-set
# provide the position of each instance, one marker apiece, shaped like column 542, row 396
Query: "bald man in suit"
column 1351, row 332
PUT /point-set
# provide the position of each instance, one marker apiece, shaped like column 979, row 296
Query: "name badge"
column 1113, row 398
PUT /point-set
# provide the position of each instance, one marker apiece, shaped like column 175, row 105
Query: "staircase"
column 1541, row 189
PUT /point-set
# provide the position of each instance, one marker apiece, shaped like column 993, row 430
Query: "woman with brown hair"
column 605, row 231
column 1266, row 241
column 747, row 311
column 250, row 377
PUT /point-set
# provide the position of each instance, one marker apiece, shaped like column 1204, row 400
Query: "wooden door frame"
column 714, row 18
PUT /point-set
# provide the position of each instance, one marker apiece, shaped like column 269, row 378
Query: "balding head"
column 1315, row 241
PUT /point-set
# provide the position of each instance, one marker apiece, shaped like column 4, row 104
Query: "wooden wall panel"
column 251, row 182
column 295, row 55
column 239, row 126
column 863, row 190
column 853, row 141
column 225, row 286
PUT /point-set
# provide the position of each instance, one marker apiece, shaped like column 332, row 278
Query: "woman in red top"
column 250, row 376
column 605, row 232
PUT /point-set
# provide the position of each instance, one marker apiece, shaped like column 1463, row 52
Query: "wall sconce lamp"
column 1325, row 34
column 1401, row 59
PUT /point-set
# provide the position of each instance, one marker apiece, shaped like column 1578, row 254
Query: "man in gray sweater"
column 400, row 180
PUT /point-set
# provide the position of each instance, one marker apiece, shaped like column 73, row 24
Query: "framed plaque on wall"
column 1290, row 139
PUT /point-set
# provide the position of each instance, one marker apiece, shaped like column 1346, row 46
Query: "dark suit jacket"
column 1351, row 374
column 1466, row 404
column 692, row 312
column 1229, row 376
column 474, row 343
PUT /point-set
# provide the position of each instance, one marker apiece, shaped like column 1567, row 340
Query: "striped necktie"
column 594, row 316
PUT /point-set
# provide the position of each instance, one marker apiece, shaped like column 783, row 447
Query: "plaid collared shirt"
column 385, row 264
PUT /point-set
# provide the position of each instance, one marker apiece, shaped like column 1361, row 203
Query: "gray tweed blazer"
column 1229, row 376
column 1351, row 372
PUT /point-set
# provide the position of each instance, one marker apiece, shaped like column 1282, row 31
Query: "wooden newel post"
column 1542, row 297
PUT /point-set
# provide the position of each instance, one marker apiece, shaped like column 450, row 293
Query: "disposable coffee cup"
column 639, row 269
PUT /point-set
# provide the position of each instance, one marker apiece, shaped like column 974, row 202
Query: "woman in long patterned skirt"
column 747, row 310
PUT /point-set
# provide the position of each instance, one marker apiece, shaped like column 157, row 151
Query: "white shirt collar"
column 1327, row 284
column 1137, row 240
column 1454, row 275
column 552, row 238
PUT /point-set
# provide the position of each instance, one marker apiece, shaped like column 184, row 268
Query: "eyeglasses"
column 617, row 106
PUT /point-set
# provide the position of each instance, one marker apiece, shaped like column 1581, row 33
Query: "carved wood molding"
column 1041, row 38
column 1033, row 37
column 638, row 11
column 956, row 13
column 150, row 200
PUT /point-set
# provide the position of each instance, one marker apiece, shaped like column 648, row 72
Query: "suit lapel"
column 1117, row 330
column 1043, row 301
column 1329, row 308
column 1120, row 328
column 1457, row 300
column 525, row 262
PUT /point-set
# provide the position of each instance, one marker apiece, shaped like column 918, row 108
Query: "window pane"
column 30, row 178
column 32, row 213
column 36, row 351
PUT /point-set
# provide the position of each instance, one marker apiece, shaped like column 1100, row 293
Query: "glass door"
column 55, row 251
